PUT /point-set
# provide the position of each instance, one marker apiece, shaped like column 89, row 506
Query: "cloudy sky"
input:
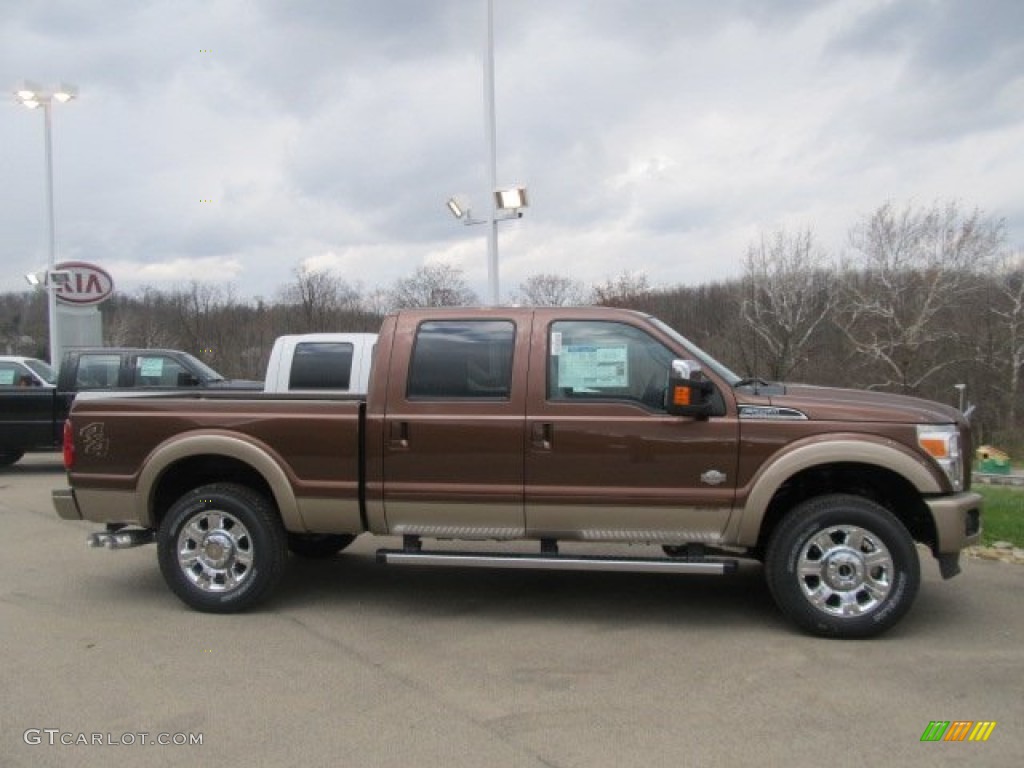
column 238, row 139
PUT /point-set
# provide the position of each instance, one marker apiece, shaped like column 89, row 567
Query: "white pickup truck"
column 321, row 362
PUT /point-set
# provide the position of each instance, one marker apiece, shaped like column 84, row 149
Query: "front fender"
column 821, row 451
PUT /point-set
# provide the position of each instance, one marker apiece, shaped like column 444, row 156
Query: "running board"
column 707, row 566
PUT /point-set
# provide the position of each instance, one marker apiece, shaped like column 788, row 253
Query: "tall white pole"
column 51, row 288
column 492, row 167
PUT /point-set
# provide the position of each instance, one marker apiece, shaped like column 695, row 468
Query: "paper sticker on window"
column 151, row 366
column 556, row 343
column 583, row 367
column 7, row 377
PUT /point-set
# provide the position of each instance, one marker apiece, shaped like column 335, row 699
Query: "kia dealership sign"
column 84, row 284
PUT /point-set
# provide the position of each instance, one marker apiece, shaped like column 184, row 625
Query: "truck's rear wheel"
column 318, row 545
column 842, row 566
column 221, row 548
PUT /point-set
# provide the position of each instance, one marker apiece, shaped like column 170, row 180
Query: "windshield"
column 723, row 372
column 42, row 370
column 206, row 373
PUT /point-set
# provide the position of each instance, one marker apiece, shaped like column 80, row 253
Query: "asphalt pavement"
column 356, row 664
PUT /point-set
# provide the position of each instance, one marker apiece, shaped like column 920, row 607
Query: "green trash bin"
column 992, row 461
column 995, row 467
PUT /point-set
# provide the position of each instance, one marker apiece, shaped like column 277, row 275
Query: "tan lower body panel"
column 100, row 506
column 330, row 515
column 951, row 520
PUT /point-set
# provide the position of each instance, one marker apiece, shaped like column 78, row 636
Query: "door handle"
column 398, row 435
column 541, row 434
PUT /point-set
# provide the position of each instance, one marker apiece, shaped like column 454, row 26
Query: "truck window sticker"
column 151, row 367
column 600, row 360
column 556, row 343
column 591, row 368
column 161, row 371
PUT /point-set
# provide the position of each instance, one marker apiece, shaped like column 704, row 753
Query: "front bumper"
column 66, row 504
column 957, row 521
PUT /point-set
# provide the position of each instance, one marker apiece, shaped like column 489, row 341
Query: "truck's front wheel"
column 842, row 566
column 221, row 548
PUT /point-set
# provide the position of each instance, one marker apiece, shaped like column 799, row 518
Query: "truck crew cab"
column 594, row 426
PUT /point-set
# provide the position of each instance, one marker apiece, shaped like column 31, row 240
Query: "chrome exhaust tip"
column 123, row 539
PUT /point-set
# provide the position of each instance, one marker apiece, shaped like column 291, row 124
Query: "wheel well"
column 883, row 486
column 182, row 476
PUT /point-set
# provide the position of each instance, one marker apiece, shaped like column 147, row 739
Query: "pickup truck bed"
column 233, row 439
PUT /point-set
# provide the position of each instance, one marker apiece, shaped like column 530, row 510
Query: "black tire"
column 7, row 458
column 221, row 548
column 842, row 566
column 318, row 546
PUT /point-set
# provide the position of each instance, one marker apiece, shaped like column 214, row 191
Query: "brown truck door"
column 604, row 461
column 453, row 429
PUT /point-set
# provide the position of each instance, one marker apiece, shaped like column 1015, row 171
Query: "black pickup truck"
column 34, row 402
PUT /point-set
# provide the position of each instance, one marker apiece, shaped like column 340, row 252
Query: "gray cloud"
column 657, row 135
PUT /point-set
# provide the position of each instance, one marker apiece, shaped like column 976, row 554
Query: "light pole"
column 502, row 204
column 33, row 97
column 492, row 166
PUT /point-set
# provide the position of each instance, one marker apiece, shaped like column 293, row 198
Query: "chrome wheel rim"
column 215, row 551
column 845, row 571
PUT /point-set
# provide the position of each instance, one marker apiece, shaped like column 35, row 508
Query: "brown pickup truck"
column 595, row 427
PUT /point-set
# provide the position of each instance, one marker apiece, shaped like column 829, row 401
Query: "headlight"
column 942, row 443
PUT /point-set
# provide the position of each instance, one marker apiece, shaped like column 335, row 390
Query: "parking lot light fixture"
column 33, row 96
column 456, row 207
column 511, row 199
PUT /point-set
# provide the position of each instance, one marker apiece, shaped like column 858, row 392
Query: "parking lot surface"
column 356, row 664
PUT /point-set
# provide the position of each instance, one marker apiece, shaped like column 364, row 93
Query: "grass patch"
column 1002, row 517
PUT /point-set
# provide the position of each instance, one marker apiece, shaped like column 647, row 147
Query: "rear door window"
column 97, row 371
column 462, row 359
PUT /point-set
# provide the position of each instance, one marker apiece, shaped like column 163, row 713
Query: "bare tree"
column 434, row 285
column 376, row 302
column 193, row 307
column 23, row 323
column 1008, row 312
column 912, row 269
column 145, row 320
column 788, row 293
column 550, row 290
column 628, row 289
column 320, row 296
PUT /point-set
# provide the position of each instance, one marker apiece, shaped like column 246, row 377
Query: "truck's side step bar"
column 555, row 562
